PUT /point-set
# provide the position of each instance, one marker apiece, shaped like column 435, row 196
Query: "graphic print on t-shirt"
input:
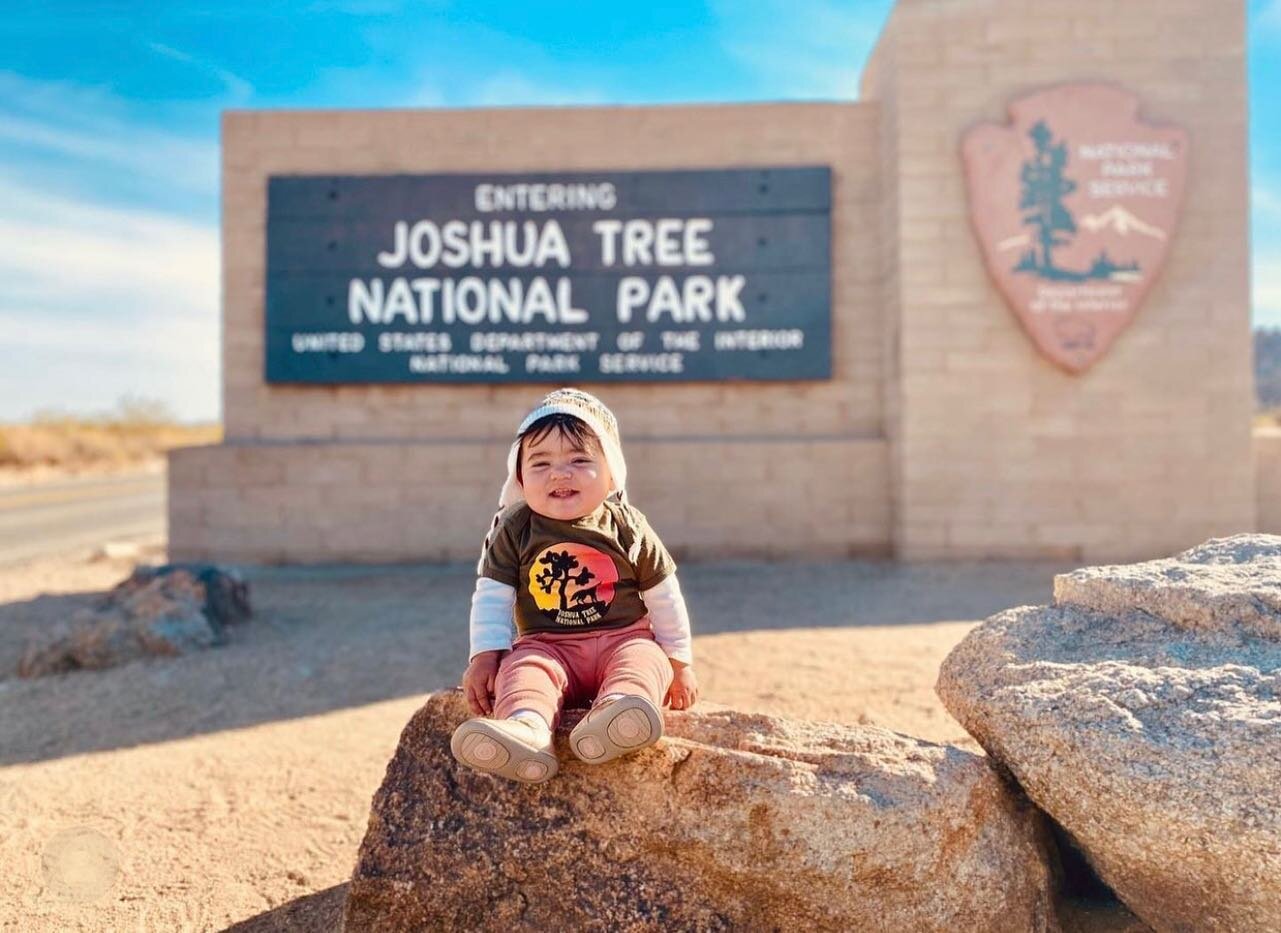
column 572, row 584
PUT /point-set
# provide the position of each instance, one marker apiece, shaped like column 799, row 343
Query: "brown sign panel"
column 1075, row 206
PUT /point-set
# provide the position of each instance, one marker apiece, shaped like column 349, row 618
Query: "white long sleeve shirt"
column 492, row 627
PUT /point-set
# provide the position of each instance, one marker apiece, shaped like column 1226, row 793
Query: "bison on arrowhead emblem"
column 1075, row 206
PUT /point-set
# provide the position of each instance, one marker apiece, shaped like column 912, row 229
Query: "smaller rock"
column 223, row 593
column 157, row 612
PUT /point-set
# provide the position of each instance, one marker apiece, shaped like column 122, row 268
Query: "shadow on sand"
column 320, row 911
column 331, row 637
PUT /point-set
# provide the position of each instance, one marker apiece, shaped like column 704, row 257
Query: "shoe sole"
column 480, row 745
column 626, row 725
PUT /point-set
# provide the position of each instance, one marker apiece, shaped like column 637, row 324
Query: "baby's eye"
column 582, row 459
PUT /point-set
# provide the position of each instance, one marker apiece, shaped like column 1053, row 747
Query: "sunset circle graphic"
column 572, row 582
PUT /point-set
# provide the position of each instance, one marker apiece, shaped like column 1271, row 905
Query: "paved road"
column 45, row 518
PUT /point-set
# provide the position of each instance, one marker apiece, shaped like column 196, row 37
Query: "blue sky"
column 109, row 141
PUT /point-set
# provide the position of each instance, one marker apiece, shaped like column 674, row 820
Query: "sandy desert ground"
column 230, row 789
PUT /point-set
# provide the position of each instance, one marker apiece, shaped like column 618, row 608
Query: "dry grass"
column 1268, row 418
column 136, row 432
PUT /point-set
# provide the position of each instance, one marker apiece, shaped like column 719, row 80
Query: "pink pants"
column 546, row 671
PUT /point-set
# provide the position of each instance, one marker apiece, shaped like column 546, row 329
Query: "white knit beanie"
column 592, row 412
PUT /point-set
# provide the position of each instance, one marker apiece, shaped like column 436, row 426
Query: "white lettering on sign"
column 538, row 341
column 468, row 300
column 586, row 196
column 1129, row 188
column 638, row 237
column 668, row 241
column 1128, row 169
column 698, row 298
column 552, row 363
column 328, row 342
column 416, row 341
column 1095, row 151
column 455, row 244
column 687, row 340
column 1062, row 299
column 400, row 300
column 457, row 363
column 697, row 252
column 759, row 339
column 614, row 363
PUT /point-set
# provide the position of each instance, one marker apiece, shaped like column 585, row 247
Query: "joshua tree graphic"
column 1044, row 188
column 560, row 570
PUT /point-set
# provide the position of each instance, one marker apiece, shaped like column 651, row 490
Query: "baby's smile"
column 563, row 477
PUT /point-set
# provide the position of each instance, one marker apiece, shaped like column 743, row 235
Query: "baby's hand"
column 478, row 682
column 683, row 693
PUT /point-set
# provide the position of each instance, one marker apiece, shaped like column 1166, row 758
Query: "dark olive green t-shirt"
column 580, row 575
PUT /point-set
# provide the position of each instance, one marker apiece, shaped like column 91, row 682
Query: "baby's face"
column 562, row 480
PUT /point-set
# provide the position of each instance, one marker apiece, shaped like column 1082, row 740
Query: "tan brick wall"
column 1267, row 470
column 879, row 73
column 287, row 502
column 998, row 452
column 399, row 472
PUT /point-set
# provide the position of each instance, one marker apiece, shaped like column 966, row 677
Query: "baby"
column 598, row 614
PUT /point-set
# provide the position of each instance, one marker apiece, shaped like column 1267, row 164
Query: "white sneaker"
column 512, row 748
column 614, row 727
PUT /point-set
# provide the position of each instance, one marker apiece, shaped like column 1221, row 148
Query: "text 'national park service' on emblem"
column 1075, row 206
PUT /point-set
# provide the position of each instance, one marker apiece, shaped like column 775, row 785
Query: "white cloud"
column 238, row 89
column 57, row 101
column 513, row 89
column 803, row 48
column 1270, row 16
column 1265, row 203
column 507, row 88
column 426, row 94
column 88, row 383
column 84, row 252
column 92, row 129
column 190, row 164
column 1267, row 288
column 1265, row 206
column 101, row 302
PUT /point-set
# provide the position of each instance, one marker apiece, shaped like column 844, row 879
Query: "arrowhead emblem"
column 1075, row 204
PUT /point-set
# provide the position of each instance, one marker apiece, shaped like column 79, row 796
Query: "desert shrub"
column 136, row 430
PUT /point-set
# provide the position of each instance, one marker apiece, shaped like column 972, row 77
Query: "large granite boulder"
column 1142, row 711
column 731, row 822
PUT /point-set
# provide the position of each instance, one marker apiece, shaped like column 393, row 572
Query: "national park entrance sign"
column 549, row 277
column 1075, row 207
